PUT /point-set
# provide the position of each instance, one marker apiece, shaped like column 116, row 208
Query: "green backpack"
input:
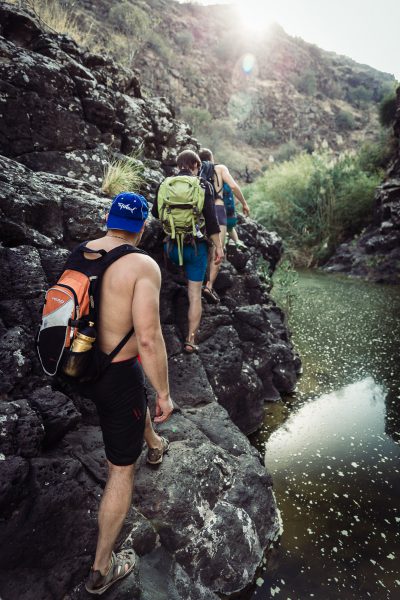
column 180, row 203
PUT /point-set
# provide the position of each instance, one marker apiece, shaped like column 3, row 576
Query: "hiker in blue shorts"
column 185, row 207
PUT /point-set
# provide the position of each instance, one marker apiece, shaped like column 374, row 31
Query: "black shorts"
column 221, row 214
column 121, row 403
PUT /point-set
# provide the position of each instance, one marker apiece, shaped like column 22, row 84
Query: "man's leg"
column 152, row 439
column 214, row 269
column 233, row 235
column 114, row 506
column 195, row 309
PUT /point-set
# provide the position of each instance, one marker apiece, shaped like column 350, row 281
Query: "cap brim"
column 132, row 225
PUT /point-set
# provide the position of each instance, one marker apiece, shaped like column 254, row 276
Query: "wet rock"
column 197, row 496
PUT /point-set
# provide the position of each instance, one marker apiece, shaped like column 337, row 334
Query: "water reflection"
column 332, row 451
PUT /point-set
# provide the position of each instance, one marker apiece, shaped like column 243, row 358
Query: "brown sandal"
column 155, row 455
column 98, row 583
column 194, row 349
column 210, row 295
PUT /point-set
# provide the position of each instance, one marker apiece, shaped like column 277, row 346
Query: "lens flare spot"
column 248, row 63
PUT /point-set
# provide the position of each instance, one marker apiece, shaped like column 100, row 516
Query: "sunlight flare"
column 255, row 15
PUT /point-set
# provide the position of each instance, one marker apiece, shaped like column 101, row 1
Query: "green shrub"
column 306, row 83
column 286, row 151
column 387, row 110
column 160, row 46
column 133, row 24
column 359, row 95
column 374, row 157
column 386, row 89
column 129, row 19
column 354, row 203
column 344, row 120
column 261, row 135
column 198, row 118
column 184, row 39
column 314, row 202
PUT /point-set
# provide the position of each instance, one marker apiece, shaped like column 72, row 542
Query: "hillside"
column 253, row 99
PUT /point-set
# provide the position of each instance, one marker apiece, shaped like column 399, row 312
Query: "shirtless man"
column 221, row 176
column 129, row 298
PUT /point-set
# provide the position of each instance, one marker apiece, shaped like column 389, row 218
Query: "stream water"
column 333, row 448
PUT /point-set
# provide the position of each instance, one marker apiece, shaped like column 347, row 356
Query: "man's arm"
column 146, row 321
column 219, row 251
column 227, row 178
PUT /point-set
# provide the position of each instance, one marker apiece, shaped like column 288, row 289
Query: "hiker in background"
column 185, row 207
column 231, row 217
column 219, row 175
column 129, row 298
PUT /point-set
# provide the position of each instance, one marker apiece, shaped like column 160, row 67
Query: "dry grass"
column 56, row 17
column 122, row 175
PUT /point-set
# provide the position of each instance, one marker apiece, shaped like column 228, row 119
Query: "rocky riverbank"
column 202, row 521
column 375, row 254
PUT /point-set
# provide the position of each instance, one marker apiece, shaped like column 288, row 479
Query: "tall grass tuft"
column 122, row 175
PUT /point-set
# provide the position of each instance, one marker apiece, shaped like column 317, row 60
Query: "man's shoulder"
column 137, row 264
column 220, row 168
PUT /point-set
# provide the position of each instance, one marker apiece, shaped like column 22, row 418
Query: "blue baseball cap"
column 128, row 212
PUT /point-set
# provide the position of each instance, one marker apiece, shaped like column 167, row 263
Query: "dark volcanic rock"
column 57, row 411
column 62, row 108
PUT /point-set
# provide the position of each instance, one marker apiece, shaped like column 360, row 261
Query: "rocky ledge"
column 202, row 521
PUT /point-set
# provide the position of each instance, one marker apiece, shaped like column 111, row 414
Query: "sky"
column 367, row 31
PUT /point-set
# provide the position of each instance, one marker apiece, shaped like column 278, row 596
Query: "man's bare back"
column 222, row 175
column 119, row 300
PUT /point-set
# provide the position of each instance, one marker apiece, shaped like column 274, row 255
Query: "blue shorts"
column 195, row 259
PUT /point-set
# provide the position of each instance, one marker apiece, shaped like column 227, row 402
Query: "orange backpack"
column 71, row 308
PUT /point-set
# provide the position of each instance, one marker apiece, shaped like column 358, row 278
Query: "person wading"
column 221, row 176
column 129, row 298
column 185, row 206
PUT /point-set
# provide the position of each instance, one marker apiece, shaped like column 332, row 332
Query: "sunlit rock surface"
column 201, row 521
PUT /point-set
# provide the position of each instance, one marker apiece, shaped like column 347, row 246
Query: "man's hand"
column 246, row 210
column 164, row 409
column 218, row 254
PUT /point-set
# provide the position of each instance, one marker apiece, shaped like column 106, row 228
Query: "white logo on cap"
column 130, row 208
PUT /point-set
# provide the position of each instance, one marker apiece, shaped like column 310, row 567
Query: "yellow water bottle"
column 79, row 355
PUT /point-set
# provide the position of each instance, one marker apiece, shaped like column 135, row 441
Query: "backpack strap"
column 119, row 347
